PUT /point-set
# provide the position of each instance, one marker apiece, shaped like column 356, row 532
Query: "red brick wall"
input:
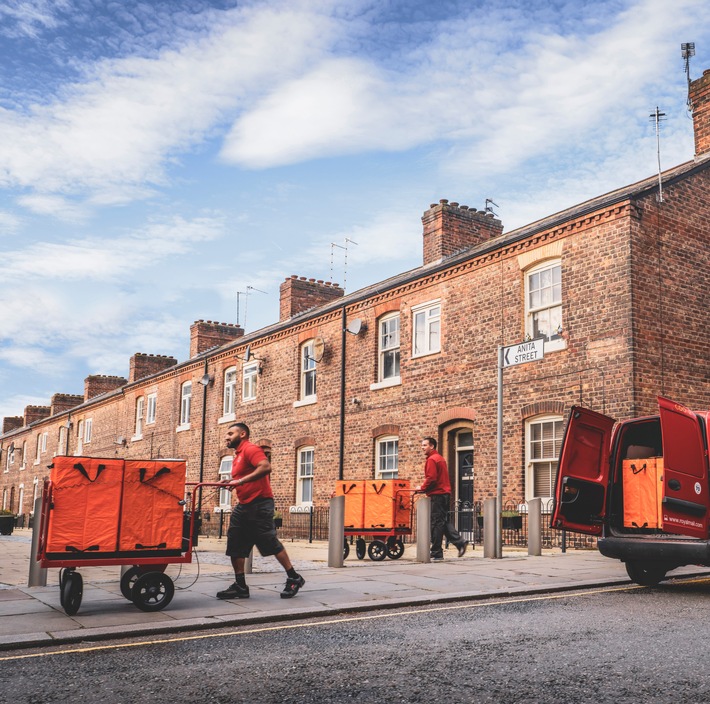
column 699, row 94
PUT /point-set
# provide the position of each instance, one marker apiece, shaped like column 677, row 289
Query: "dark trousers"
column 440, row 525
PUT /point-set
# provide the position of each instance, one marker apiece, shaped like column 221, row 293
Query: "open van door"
column 583, row 473
column 686, row 504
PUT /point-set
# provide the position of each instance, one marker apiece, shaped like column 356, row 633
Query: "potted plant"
column 509, row 520
column 7, row 522
column 278, row 519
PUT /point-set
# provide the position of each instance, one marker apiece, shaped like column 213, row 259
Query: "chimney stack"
column 98, row 384
column 299, row 294
column 12, row 423
column 207, row 333
column 450, row 228
column 64, row 402
column 35, row 413
column 143, row 365
column 699, row 94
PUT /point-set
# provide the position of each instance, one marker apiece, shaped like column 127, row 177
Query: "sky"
column 166, row 161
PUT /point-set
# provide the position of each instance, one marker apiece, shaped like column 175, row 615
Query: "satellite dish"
column 247, row 353
column 318, row 349
column 354, row 326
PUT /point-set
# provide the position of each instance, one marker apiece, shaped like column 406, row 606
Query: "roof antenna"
column 345, row 264
column 246, row 302
column 656, row 117
column 687, row 50
column 488, row 208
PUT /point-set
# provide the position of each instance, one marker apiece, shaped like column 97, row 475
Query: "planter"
column 507, row 523
column 7, row 525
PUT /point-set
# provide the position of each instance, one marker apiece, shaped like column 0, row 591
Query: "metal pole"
column 499, row 494
column 38, row 575
column 336, row 531
column 310, row 524
column 423, row 529
column 202, row 441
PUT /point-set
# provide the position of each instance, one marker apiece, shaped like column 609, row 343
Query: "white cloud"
column 9, row 223
column 56, row 206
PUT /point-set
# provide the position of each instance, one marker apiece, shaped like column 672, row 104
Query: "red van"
column 641, row 485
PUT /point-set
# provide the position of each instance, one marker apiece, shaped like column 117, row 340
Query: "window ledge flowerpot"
column 7, row 523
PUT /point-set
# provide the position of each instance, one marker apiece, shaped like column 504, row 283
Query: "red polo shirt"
column 436, row 476
column 246, row 457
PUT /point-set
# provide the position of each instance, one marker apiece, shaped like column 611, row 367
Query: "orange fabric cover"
column 354, row 493
column 86, row 503
column 152, row 515
column 643, row 492
column 384, row 507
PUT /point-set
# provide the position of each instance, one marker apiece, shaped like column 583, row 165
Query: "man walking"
column 437, row 487
column 252, row 520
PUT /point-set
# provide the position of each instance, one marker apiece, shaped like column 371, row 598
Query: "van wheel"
column 646, row 574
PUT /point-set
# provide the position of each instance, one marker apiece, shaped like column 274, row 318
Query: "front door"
column 583, row 473
column 685, row 471
column 464, row 480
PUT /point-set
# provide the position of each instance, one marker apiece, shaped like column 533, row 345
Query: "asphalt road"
column 616, row 645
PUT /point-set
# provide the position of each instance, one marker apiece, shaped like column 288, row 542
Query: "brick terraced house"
column 347, row 385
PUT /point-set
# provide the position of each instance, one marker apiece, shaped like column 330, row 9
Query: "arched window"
column 140, row 406
column 543, row 303
column 308, row 371
column 230, row 393
column 225, row 474
column 185, row 403
column 543, row 440
column 305, row 474
column 387, row 457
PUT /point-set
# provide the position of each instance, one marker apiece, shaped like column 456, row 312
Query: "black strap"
column 144, row 470
column 81, row 469
column 160, row 546
column 71, row 548
column 639, row 470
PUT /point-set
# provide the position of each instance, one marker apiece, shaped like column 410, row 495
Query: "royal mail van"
column 641, row 485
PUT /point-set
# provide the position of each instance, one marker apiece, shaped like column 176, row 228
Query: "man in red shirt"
column 437, row 487
column 252, row 520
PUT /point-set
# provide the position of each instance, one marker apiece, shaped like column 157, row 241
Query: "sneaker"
column 293, row 584
column 234, row 592
column 437, row 558
column 462, row 546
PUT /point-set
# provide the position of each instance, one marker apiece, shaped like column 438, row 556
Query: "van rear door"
column 686, row 504
column 583, row 473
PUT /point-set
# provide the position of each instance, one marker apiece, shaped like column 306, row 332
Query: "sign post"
column 509, row 356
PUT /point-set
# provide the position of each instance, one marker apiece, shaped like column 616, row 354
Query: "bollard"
column 535, row 527
column 490, row 549
column 336, row 532
column 38, row 575
column 423, row 529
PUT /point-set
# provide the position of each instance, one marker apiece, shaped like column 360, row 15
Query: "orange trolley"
column 99, row 512
column 378, row 510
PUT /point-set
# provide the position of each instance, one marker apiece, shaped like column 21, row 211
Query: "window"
column 544, row 303
column 152, row 402
column 79, row 438
column 62, row 440
column 140, row 404
column 249, row 376
column 230, row 390
column 426, row 324
column 304, row 491
column 88, row 428
column 543, row 443
column 308, row 371
column 388, row 367
column 387, row 457
column 225, row 474
column 185, row 402
column 24, row 454
column 39, row 448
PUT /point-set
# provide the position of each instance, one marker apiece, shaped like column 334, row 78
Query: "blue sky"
column 157, row 157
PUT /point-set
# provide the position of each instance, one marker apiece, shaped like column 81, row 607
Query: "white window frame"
column 20, row 498
column 250, row 374
column 550, row 458
column 225, row 495
column 548, row 301
column 39, row 448
column 307, row 370
column 61, row 440
column 384, row 349
column 305, row 474
column 88, row 429
column 140, row 410
column 24, row 454
column 430, row 316
column 151, row 408
column 229, row 397
column 384, row 469
column 185, row 405
column 79, row 438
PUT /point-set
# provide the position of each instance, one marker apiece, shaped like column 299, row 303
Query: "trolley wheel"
column 377, row 551
column 360, row 548
column 62, row 580
column 395, row 548
column 72, row 591
column 128, row 579
column 152, row 591
column 346, row 549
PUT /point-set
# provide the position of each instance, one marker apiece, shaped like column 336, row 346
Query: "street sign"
column 530, row 351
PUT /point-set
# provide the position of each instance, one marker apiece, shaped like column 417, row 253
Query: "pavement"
column 33, row 616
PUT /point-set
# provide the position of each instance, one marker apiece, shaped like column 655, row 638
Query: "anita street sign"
column 530, row 351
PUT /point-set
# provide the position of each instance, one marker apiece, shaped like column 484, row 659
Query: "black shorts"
column 253, row 524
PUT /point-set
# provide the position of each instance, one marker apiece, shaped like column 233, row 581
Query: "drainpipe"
column 341, row 460
column 202, row 438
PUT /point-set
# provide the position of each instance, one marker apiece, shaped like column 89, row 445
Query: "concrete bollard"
column 38, row 575
column 423, row 529
column 490, row 515
column 535, row 527
column 336, row 531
